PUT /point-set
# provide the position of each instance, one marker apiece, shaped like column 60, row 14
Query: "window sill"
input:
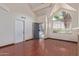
column 64, row 33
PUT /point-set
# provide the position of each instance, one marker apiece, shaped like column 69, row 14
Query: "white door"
column 18, row 31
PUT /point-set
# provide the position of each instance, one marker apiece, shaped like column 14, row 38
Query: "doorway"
column 19, row 31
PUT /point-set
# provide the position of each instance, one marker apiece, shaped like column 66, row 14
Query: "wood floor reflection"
column 33, row 48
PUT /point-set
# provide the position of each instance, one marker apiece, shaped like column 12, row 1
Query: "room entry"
column 38, row 31
column 19, row 30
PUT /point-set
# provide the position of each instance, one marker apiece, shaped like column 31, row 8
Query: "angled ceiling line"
column 41, row 7
column 57, row 7
column 4, row 8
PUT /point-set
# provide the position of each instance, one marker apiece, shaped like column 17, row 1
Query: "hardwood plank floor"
column 34, row 48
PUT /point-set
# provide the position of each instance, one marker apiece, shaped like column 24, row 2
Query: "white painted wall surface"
column 7, row 23
column 63, row 36
column 28, row 24
column 28, row 28
column 67, row 36
column 6, row 29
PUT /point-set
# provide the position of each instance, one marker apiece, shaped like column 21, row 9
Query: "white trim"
column 4, row 8
column 57, row 7
column 41, row 7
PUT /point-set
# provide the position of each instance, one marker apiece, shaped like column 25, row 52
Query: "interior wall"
column 63, row 36
column 28, row 24
column 29, row 20
column 6, row 28
column 7, row 25
column 7, row 31
column 67, row 36
column 28, row 28
column 42, row 19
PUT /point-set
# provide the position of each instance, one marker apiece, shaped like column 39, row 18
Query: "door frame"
column 23, row 29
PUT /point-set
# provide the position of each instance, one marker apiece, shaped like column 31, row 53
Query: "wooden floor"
column 47, row 47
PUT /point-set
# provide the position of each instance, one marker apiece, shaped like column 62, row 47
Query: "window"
column 61, row 22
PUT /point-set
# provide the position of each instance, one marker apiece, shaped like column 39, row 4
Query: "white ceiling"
column 38, row 8
column 35, row 5
column 41, row 8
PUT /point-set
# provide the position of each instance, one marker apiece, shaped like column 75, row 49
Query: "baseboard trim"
column 60, row 40
column 14, row 43
column 33, row 39
column 29, row 39
column 7, row 45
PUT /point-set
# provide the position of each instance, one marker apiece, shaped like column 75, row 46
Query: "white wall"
column 7, row 23
column 65, row 36
column 6, row 28
column 28, row 25
column 68, row 37
column 28, row 28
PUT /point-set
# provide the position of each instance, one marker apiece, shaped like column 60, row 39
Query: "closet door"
column 19, row 31
column 19, row 37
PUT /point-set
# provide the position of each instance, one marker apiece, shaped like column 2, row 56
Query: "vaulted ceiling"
column 38, row 9
column 41, row 8
column 45, row 8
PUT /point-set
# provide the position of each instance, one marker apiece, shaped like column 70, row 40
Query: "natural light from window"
column 61, row 22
